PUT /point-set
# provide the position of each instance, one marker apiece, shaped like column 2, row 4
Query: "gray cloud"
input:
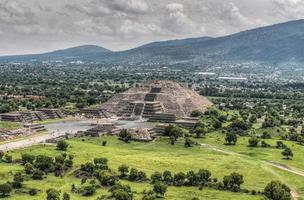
column 30, row 26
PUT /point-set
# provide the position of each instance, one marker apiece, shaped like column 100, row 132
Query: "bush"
column 124, row 135
column 277, row 191
column 88, row 190
column 104, row 143
column 37, row 174
column 253, row 141
column 27, row 158
column 160, row 189
column 121, row 192
column 8, row 158
column 62, row 145
column 5, row 190
column 136, row 175
column 33, row 191
column 52, row 194
column 124, row 170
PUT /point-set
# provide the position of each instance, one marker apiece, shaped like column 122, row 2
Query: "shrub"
column 62, row 145
column 160, row 189
column 5, row 189
column 104, row 143
column 52, row 194
column 33, row 191
column 277, row 191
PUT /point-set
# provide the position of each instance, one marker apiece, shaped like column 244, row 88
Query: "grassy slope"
column 156, row 156
column 266, row 154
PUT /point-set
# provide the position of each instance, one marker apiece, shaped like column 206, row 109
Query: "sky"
column 35, row 26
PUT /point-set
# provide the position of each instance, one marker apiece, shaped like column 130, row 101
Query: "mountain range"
column 274, row 44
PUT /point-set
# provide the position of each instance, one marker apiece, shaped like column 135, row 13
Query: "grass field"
column 160, row 156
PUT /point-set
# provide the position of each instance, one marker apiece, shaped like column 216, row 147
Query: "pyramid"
column 156, row 98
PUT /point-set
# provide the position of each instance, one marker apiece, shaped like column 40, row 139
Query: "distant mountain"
column 277, row 43
column 272, row 44
column 82, row 53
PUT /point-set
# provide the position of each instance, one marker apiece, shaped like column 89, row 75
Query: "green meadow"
column 160, row 156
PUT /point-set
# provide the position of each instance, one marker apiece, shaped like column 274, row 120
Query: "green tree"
column 124, row 135
column 5, row 189
column 52, row 194
column 253, row 141
column 287, row 153
column 1, row 155
column 62, row 145
column 160, row 189
column 66, row 196
column 124, row 170
column 231, row 138
column 275, row 190
column 156, row 177
column 121, row 192
column 8, row 158
column 233, row 181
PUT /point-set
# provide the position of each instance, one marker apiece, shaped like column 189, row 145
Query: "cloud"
column 291, row 9
column 14, row 12
column 177, row 21
column 31, row 26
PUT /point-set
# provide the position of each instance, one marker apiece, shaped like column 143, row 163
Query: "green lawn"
column 157, row 156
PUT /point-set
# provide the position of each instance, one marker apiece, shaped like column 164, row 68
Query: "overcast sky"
column 34, row 26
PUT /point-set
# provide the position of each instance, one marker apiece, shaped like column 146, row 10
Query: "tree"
column 62, row 145
column 124, row 170
column 28, row 168
column 66, row 196
column 5, row 189
column 150, row 195
column 179, row 179
column 300, row 139
column 44, row 163
column 106, row 178
column 196, row 113
column 253, row 141
column 27, row 158
column 167, row 176
column 231, row 138
column 88, row 190
column 280, row 145
column 156, row 177
column 37, row 174
column 188, row 143
column 1, row 155
column 52, row 194
column 18, row 179
column 8, row 158
column 160, row 189
column 101, row 163
column 233, row 181
column 136, row 175
column 275, row 190
column 121, row 192
column 124, row 135
column 287, row 153
column 199, row 132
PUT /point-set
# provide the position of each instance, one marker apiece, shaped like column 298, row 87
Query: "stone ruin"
column 157, row 101
column 30, row 116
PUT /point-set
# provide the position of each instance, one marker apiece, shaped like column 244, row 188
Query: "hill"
column 276, row 43
column 85, row 52
column 272, row 44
